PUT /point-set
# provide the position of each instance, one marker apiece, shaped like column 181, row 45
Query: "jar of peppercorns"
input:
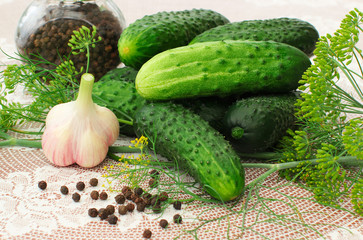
column 46, row 27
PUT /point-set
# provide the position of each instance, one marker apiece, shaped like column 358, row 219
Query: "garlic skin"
column 79, row 131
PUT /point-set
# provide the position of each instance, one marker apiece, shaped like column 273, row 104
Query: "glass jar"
column 46, row 26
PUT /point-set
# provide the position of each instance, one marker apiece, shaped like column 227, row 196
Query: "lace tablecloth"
column 26, row 212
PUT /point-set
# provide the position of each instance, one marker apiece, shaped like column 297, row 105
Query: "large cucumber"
column 185, row 137
column 158, row 32
column 292, row 31
column 257, row 123
column 116, row 91
column 222, row 68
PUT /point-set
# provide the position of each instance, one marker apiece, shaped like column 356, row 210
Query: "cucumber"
column 184, row 137
column 257, row 123
column 158, row 32
column 292, row 31
column 116, row 91
column 222, row 68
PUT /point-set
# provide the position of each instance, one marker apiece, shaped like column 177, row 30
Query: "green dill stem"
column 20, row 143
column 123, row 149
column 125, row 121
column 345, row 160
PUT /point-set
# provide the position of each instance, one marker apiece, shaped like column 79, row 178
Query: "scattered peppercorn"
column 163, row 223
column 120, row 199
column 122, row 210
column 177, row 218
column 128, row 195
column 163, row 196
column 110, row 209
column 140, row 206
column 138, row 200
column 177, row 205
column 125, row 189
column 153, row 183
column 155, row 200
column 103, row 195
column 112, row 219
column 130, row 207
column 64, row 190
column 42, row 185
column 133, row 197
column 154, row 173
column 103, row 213
column 93, row 212
column 147, row 233
column 93, row 182
column 139, row 191
column 95, row 194
column 76, row 197
column 156, row 208
column 80, row 186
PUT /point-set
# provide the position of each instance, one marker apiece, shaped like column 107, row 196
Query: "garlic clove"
column 79, row 131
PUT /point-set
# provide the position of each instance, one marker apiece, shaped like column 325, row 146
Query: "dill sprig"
column 330, row 118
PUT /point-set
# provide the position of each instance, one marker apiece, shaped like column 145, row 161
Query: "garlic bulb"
column 79, row 131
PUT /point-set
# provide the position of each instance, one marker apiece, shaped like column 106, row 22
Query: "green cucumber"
column 158, row 32
column 257, row 123
column 116, row 91
column 184, row 137
column 222, row 68
column 292, row 31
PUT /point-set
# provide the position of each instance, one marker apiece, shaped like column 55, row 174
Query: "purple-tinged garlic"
column 79, row 131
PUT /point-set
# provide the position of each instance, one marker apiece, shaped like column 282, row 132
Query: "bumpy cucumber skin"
column 155, row 33
column 264, row 120
column 183, row 136
column 292, row 31
column 116, row 91
column 222, row 68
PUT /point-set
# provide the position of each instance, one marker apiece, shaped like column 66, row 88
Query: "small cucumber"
column 184, row 137
column 257, row 123
column 116, row 91
column 158, row 32
column 292, row 31
column 222, row 68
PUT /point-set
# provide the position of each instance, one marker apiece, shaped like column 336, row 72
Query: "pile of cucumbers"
column 209, row 89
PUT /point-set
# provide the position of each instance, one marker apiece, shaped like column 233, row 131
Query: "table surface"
column 26, row 212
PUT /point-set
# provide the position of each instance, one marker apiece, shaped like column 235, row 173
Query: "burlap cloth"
column 26, row 212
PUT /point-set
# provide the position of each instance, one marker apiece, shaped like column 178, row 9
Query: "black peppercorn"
column 139, row 191
column 177, row 205
column 122, row 210
column 177, row 218
column 110, row 209
column 95, row 194
column 103, row 213
column 93, row 182
column 93, row 212
column 103, row 195
column 42, row 185
column 64, row 190
column 76, row 197
column 112, row 219
column 128, row 195
column 120, row 199
column 147, row 233
column 154, row 173
column 140, row 206
column 163, row 223
column 80, row 186
column 130, row 207
column 153, row 182
column 163, row 196
column 156, row 208
column 125, row 189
